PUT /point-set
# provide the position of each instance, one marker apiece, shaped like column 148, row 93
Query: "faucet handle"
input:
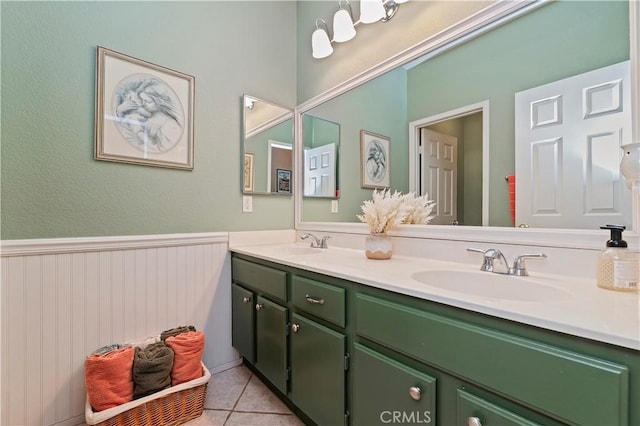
column 519, row 268
column 487, row 263
column 323, row 242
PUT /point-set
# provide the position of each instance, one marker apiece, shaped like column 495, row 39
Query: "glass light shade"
column 343, row 29
column 320, row 44
column 630, row 164
column 400, row 1
column 371, row 11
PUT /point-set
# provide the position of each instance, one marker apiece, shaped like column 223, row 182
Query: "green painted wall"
column 493, row 67
column 52, row 186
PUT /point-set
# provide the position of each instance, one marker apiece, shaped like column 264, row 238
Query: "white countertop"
column 584, row 310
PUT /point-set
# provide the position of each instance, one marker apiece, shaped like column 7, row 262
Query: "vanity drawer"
column 322, row 300
column 261, row 278
column 551, row 380
column 472, row 410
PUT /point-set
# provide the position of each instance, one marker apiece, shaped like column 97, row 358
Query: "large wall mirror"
column 267, row 147
column 468, row 88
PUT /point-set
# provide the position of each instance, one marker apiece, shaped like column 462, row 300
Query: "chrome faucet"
column 518, row 269
column 316, row 242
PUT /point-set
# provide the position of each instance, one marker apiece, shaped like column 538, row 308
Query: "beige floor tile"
column 210, row 418
column 225, row 388
column 258, row 398
column 262, row 419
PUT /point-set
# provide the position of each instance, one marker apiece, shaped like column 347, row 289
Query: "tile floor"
column 237, row 397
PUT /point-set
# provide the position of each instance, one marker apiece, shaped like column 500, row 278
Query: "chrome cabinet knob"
column 295, row 327
column 246, row 299
column 474, row 421
column 415, row 393
column 259, row 306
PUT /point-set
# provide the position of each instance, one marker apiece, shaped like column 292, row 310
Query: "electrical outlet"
column 334, row 206
column 247, row 203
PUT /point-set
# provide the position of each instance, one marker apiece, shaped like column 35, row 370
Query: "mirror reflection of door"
column 320, row 171
column 568, row 137
column 440, row 174
column 279, row 158
column 321, row 139
column 452, row 172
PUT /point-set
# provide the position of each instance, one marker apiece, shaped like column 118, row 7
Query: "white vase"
column 378, row 246
column 630, row 164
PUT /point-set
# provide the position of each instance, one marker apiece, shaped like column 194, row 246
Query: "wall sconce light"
column 320, row 43
column 344, row 27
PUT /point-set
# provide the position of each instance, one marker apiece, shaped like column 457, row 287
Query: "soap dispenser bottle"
column 618, row 267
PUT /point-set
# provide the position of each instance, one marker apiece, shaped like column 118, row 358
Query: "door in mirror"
column 321, row 140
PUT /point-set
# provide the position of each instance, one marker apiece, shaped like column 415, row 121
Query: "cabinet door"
column 271, row 342
column 318, row 371
column 386, row 391
column 242, row 328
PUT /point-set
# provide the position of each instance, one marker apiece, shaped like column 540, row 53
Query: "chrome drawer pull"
column 246, row 299
column 473, row 421
column 314, row 300
column 415, row 393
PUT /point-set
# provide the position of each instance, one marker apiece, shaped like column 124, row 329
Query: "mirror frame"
column 487, row 19
column 290, row 114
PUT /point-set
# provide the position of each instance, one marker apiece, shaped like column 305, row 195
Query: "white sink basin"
column 489, row 284
column 299, row 251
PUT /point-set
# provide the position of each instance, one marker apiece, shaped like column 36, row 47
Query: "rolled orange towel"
column 187, row 348
column 108, row 378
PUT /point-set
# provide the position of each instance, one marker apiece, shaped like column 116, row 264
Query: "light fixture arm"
column 322, row 21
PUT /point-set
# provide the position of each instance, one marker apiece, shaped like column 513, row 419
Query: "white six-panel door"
column 320, row 171
column 440, row 173
column 568, row 137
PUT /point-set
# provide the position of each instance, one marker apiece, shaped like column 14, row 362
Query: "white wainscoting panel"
column 61, row 303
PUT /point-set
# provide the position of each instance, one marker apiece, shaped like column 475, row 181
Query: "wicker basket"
column 172, row 406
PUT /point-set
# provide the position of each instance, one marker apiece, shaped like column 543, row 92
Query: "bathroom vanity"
column 367, row 344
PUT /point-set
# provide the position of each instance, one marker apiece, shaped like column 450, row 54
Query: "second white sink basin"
column 489, row 284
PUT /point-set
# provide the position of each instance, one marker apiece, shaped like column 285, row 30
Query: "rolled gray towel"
column 175, row 331
column 152, row 369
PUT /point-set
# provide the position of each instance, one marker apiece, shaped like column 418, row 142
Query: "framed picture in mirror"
column 144, row 112
column 248, row 171
column 374, row 160
column 284, row 181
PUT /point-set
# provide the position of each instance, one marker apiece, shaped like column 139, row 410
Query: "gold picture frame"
column 144, row 112
column 248, row 172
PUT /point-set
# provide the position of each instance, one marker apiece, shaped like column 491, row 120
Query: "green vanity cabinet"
column 271, row 342
column 564, row 385
column 318, row 373
column 345, row 353
column 290, row 329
